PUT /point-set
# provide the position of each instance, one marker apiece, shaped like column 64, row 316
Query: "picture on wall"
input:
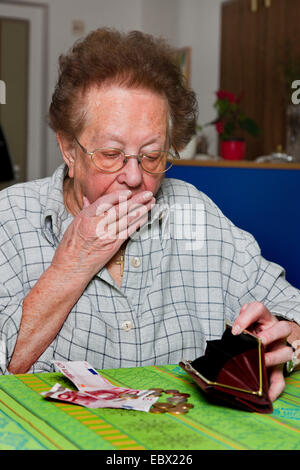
column 184, row 57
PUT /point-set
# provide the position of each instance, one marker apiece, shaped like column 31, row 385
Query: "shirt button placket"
column 135, row 262
column 127, row 325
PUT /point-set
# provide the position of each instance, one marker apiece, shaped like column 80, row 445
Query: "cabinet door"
column 274, row 99
column 14, row 36
column 241, row 58
column 253, row 53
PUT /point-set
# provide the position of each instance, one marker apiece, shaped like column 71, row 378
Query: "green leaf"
column 250, row 126
column 229, row 129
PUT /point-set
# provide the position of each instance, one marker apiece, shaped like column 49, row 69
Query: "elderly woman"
column 93, row 266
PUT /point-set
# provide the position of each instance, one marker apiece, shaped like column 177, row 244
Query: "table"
column 29, row 421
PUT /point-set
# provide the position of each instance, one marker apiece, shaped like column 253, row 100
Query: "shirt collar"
column 55, row 217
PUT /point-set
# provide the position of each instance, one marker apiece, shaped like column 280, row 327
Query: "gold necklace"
column 121, row 261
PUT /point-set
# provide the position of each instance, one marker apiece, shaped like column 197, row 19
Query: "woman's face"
column 133, row 120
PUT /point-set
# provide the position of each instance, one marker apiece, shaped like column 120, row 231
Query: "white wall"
column 193, row 23
column 124, row 15
column 162, row 18
column 199, row 27
column 121, row 14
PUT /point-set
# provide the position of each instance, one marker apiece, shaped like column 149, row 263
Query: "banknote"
column 106, row 399
column 96, row 390
column 83, row 375
column 87, row 379
column 58, row 392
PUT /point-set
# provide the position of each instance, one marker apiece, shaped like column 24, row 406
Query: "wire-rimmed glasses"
column 111, row 160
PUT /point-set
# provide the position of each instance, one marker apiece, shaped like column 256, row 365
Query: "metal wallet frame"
column 258, row 392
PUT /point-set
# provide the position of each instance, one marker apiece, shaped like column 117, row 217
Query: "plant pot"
column 233, row 149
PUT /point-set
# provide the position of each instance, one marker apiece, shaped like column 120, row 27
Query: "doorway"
column 14, row 35
column 23, row 71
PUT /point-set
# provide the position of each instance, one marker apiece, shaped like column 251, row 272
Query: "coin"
column 163, row 405
column 156, row 410
column 155, row 394
column 160, row 390
column 171, row 391
column 178, row 410
column 176, row 399
column 187, row 406
column 182, row 395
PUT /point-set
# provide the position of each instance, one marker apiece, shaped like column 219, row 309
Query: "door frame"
column 37, row 16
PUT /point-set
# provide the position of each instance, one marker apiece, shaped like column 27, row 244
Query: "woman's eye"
column 111, row 154
column 153, row 155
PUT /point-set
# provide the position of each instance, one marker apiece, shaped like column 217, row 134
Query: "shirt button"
column 127, row 325
column 136, row 262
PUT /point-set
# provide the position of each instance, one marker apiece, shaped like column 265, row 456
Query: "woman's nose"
column 131, row 173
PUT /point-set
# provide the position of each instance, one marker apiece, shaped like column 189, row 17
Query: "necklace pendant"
column 121, row 262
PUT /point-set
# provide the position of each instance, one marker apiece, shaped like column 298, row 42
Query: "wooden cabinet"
column 255, row 46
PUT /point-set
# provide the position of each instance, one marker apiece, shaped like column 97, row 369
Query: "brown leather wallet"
column 232, row 372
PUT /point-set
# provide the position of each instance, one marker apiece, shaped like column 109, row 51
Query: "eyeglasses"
column 111, row 160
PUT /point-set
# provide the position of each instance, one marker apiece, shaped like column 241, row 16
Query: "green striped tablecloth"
column 29, row 421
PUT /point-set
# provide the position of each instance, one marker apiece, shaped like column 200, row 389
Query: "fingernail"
column 147, row 195
column 263, row 340
column 267, row 360
column 236, row 330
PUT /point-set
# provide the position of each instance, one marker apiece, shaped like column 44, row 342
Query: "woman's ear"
column 67, row 148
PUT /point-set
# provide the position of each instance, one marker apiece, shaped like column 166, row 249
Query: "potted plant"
column 231, row 123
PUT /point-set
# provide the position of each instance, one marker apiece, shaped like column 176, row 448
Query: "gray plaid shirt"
column 186, row 272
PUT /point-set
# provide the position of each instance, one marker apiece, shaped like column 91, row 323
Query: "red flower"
column 239, row 98
column 220, row 127
column 226, row 95
column 230, row 122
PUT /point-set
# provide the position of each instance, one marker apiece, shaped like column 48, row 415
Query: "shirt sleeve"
column 10, row 317
column 256, row 279
column 12, row 293
column 11, row 298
